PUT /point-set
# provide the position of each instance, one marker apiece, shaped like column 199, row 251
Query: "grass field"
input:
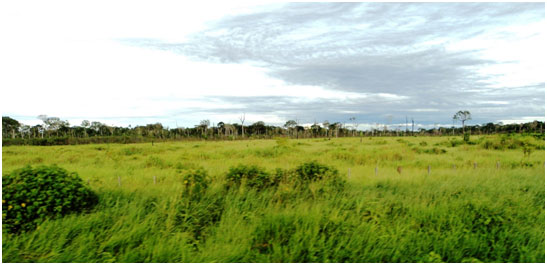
column 459, row 212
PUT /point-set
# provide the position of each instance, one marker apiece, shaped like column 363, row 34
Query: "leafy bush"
column 313, row 171
column 250, row 176
column 198, row 207
column 199, row 213
column 434, row 150
column 31, row 195
column 488, row 144
column 466, row 137
column 195, row 183
column 317, row 178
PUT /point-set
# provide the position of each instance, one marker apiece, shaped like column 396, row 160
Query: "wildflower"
column 9, row 207
column 3, row 201
column 186, row 182
column 23, row 204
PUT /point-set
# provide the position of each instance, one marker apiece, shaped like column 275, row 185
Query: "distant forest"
column 55, row 131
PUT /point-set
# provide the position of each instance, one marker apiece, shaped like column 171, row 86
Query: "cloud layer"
column 425, row 60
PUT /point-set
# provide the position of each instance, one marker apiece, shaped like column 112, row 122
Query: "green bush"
column 466, row 137
column 313, row 171
column 31, row 195
column 198, row 214
column 195, row 183
column 250, row 176
column 434, row 150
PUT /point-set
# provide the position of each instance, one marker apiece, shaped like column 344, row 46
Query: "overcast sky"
column 139, row 62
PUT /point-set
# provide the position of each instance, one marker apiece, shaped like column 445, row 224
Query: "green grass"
column 455, row 214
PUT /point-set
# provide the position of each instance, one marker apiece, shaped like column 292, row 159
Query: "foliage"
column 250, row 176
column 466, row 137
column 455, row 214
column 313, row 171
column 199, row 211
column 32, row 195
column 195, row 183
column 55, row 131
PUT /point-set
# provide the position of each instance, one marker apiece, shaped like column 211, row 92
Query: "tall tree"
column 242, row 119
column 462, row 115
column 290, row 125
column 9, row 126
column 326, row 126
column 204, row 125
column 355, row 124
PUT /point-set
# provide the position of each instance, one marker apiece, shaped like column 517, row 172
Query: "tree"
column 336, row 127
column 290, row 124
column 462, row 115
column 315, row 129
column 326, row 126
column 85, row 125
column 355, row 124
column 258, row 127
column 242, row 119
column 9, row 126
column 204, row 125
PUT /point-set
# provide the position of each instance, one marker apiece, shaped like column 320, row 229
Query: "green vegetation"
column 55, row 131
column 306, row 200
column 32, row 195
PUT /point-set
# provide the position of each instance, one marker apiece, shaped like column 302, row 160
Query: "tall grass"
column 459, row 214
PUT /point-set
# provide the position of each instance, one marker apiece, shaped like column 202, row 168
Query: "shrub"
column 313, row 172
column 250, row 176
column 434, row 150
column 199, row 213
column 31, row 195
column 195, row 183
column 488, row 145
column 466, row 137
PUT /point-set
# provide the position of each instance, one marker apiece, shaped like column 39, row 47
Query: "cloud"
column 308, row 61
column 411, row 50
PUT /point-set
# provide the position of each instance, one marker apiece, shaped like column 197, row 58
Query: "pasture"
column 481, row 201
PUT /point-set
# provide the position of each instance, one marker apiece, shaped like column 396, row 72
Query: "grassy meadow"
column 465, row 210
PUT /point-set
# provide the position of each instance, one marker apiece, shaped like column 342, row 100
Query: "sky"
column 179, row 62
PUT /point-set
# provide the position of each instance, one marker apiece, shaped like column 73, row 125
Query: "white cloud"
column 64, row 58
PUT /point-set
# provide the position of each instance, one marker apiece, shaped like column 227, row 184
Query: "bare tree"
column 242, row 119
column 326, row 126
column 355, row 124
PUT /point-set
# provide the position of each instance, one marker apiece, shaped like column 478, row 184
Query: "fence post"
column 376, row 171
column 428, row 169
column 154, row 180
column 475, row 165
column 119, row 181
column 349, row 173
column 498, row 164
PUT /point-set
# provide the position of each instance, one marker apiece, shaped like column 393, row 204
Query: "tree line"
column 55, row 131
